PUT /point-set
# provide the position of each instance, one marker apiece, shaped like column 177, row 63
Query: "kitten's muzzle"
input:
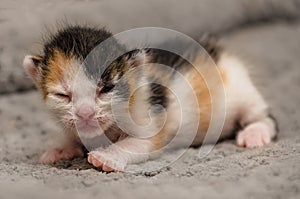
column 85, row 112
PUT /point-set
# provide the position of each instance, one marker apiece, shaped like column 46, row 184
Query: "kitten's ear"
column 32, row 67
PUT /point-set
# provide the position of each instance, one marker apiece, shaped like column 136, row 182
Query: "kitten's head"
column 72, row 91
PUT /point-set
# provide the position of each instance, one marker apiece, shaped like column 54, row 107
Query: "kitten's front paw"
column 107, row 160
column 53, row 155
column 254, row 135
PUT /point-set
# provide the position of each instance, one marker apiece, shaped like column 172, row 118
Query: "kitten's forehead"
column 81, row 85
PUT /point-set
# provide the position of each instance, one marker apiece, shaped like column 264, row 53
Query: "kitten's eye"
column 63, row 96
column 107, row 88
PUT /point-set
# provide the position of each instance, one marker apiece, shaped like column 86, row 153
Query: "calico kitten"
column 83, row 101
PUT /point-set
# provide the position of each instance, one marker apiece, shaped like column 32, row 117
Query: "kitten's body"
column 159, row 108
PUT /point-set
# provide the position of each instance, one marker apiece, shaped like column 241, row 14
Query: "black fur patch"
column 173, row 59
column 158, row 96
column 185, row 48
column 79, row 42
column 166, row 58
column 76, row 41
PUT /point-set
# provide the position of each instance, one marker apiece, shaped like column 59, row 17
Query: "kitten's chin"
column 89, row 129
column 89, row 132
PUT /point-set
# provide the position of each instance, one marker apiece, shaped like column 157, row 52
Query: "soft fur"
column 137, row 103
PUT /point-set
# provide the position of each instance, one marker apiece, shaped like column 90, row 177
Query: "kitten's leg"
column 246, row 105
column 258, row 126
column 69, row 149
column 257, row 133
column 130, row 150
column 127, row 151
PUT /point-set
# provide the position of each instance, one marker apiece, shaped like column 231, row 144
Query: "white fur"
column 244, row 105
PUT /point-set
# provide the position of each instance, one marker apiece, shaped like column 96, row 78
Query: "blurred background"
column 24, row 24
column 264, row 33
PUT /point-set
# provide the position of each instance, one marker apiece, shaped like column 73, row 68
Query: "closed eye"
column 63, row 96
column 107, row 88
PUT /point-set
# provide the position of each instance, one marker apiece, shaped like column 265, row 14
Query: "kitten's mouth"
column 87, row 125
column 89, row 129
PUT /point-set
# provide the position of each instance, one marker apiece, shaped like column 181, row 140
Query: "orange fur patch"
column 197, row 80
column 58, row 63
column 203, row 92
column 204, row 102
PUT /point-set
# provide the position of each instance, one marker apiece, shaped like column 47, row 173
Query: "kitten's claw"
column 254, row 135
column 107, row 161
column 53, row 155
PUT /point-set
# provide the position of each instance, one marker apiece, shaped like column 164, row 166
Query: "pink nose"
column 85, row 112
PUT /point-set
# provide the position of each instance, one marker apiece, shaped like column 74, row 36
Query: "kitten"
column 89, row 104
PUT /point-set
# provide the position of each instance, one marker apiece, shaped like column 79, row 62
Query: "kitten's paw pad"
column 254, row 135
column 107, row 161
column 53, row 155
